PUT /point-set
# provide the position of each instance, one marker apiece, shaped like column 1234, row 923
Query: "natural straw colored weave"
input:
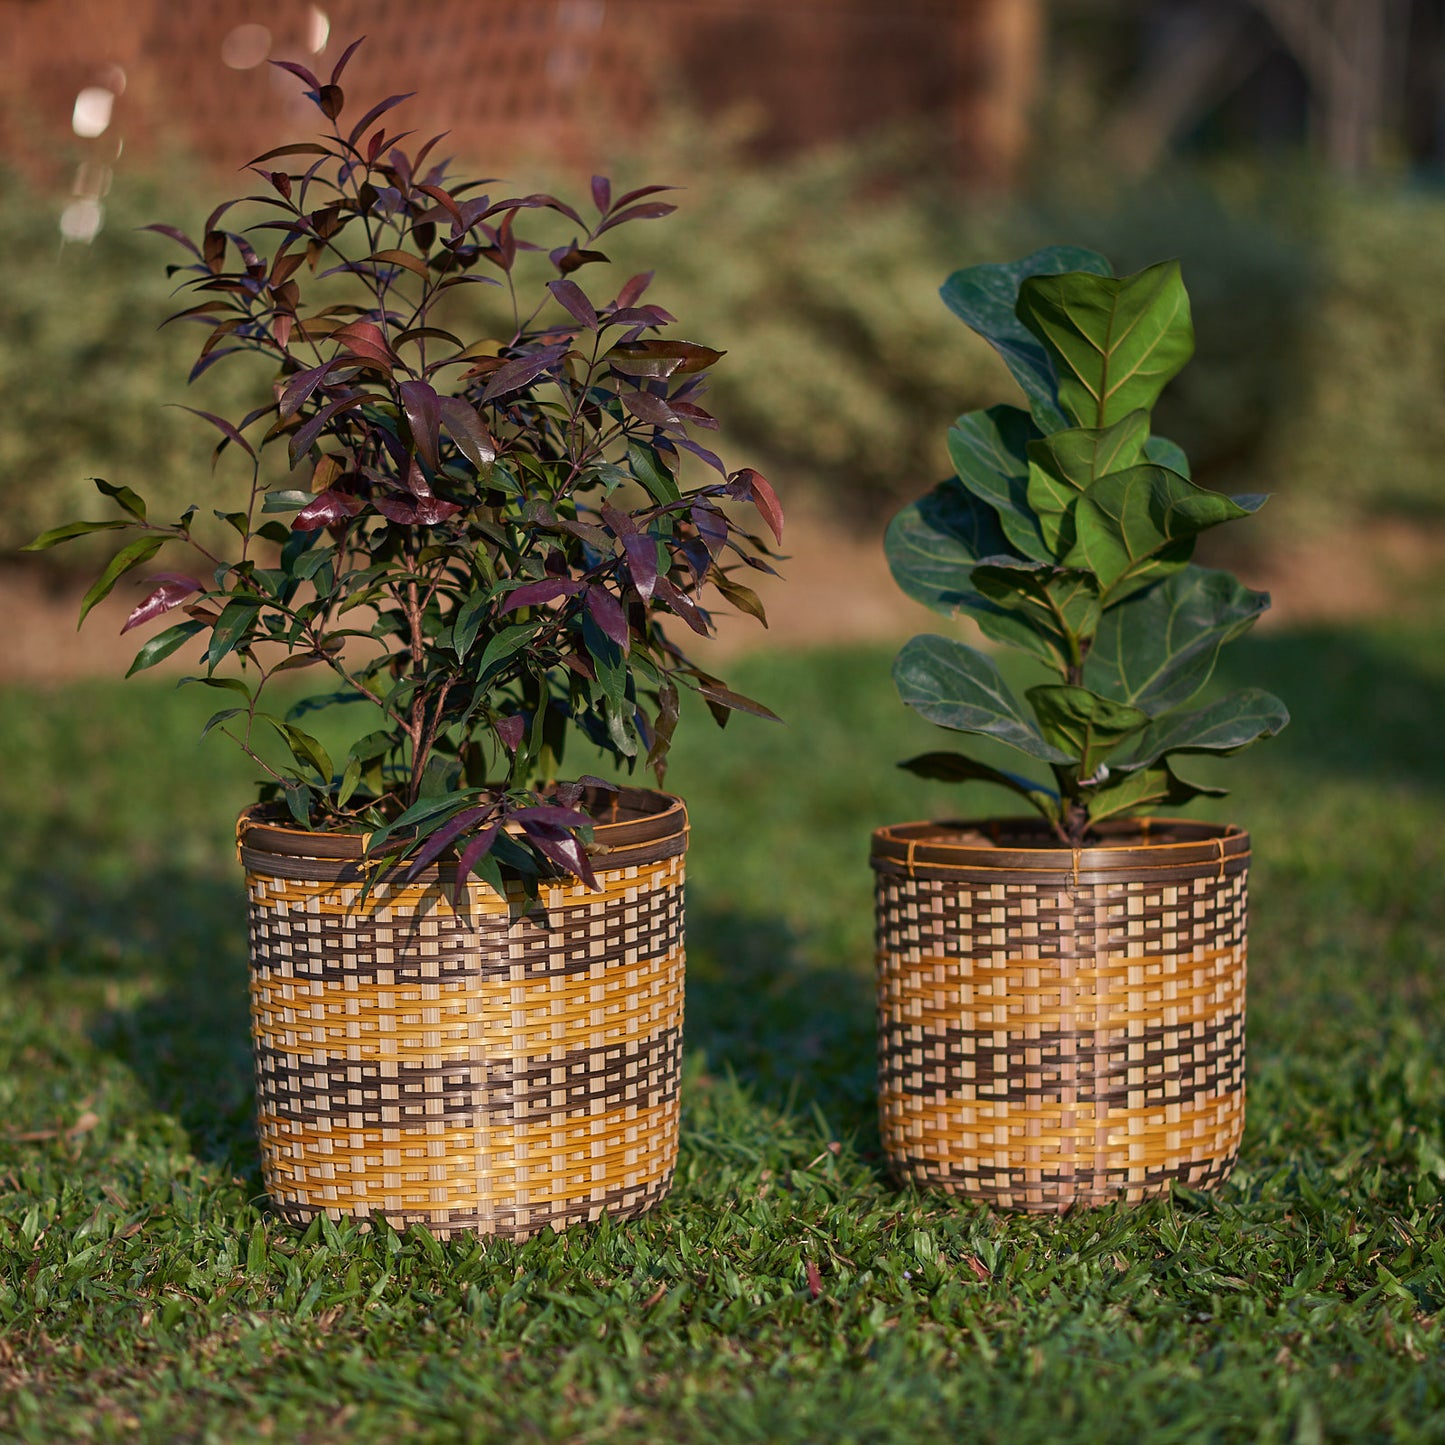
column 468, row 1070
column 1061, row 1027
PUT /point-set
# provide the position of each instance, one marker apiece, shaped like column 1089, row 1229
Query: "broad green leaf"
column 1064, row 465
column 989, row 451
column 306, row 749
column 1081, row 455
column 932, row 547
column 1222, row 727
column 956, row 768
column 286, row 501
column 163, row 644
column 502, row 645
column 1113, row 343
column 237, row 618
column 134, row 554
column 934, row 543
column 958, row 687
column 468, row 622
column 56, row 535
column 350, row 781
column 1160, row 649
column 128, row 500
column 1085, row 725
column 1060, row 604
column 1135, row 522
column 1164, row 453
column 986, row 297
column 1148, row 787
column 649, row 470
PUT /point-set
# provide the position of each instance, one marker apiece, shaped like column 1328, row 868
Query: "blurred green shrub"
column 84, row 372
column 1320, row 361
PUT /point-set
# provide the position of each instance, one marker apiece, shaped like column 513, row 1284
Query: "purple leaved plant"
column 478, row 535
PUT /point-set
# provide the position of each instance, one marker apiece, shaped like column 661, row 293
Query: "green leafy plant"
column 1068, row 533
column 481, row 532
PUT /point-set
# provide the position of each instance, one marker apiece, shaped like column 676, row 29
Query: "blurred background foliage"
column 1321, row 351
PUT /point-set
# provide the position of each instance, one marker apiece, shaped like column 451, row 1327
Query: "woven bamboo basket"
column 1061, row 1027
column 468, row 1069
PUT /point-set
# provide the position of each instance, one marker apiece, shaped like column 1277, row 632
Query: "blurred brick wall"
column 513, row 76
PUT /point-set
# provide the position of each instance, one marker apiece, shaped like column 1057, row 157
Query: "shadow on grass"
column 154, row 960
column 800, row 1037
column 1363, row 707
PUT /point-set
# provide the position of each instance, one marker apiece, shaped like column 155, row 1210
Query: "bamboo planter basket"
column 1061, row 1027
column 468, row 1070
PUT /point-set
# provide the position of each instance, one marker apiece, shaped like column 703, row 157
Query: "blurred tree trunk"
column 1352, row 53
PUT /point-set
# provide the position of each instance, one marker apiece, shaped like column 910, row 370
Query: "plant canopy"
column 1067, row 533
column 477, row 534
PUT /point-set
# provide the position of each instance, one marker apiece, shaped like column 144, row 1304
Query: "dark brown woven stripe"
column 940, row 918
column 370, row 1094
column 379, row 949
column 1106, row 1187
column 1178, row 1065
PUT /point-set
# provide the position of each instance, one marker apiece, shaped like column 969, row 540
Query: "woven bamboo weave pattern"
column 1044, row 1043
column 466, row 1069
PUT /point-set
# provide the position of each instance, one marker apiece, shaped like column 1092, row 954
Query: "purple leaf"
column 601, row 193
column 651, row 409
column 174, row 588
column 224, row 427
column 176, row 235
column 575, row 301
column 751, row 486
column 472, row 854
column 552, row 816
column 416, row 482
column 296, row 391
column 711, row 524
column 300, row 444
column 642, row 562
column 631, row 293
column 558, row 845
column 432, row 510
column 423, row 415
column 534, row 594
column 366, row 340
column 641, row 191
column 698, row 450
column 685, row 607
column 468, row 431
column 660, row 359
column 379, row 109
column 735, row 702
column 608, row 614
column 345, row 56
column 328, row 509
column 511, row 731
column 299, row 71
column 648, row 211
column 514, row 375
column 438, row 842
column 618, row 523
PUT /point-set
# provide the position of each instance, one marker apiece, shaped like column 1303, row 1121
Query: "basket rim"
column 642, row 819
column 926, row 845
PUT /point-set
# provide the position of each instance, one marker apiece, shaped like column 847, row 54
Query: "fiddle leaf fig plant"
column 1067, row 533
column 478, row 526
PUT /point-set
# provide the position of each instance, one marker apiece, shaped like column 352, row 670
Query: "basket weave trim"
column 1044, row 1044
column 468, row 1069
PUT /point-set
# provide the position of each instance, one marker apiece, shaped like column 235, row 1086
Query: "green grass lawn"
column 146, row 1293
